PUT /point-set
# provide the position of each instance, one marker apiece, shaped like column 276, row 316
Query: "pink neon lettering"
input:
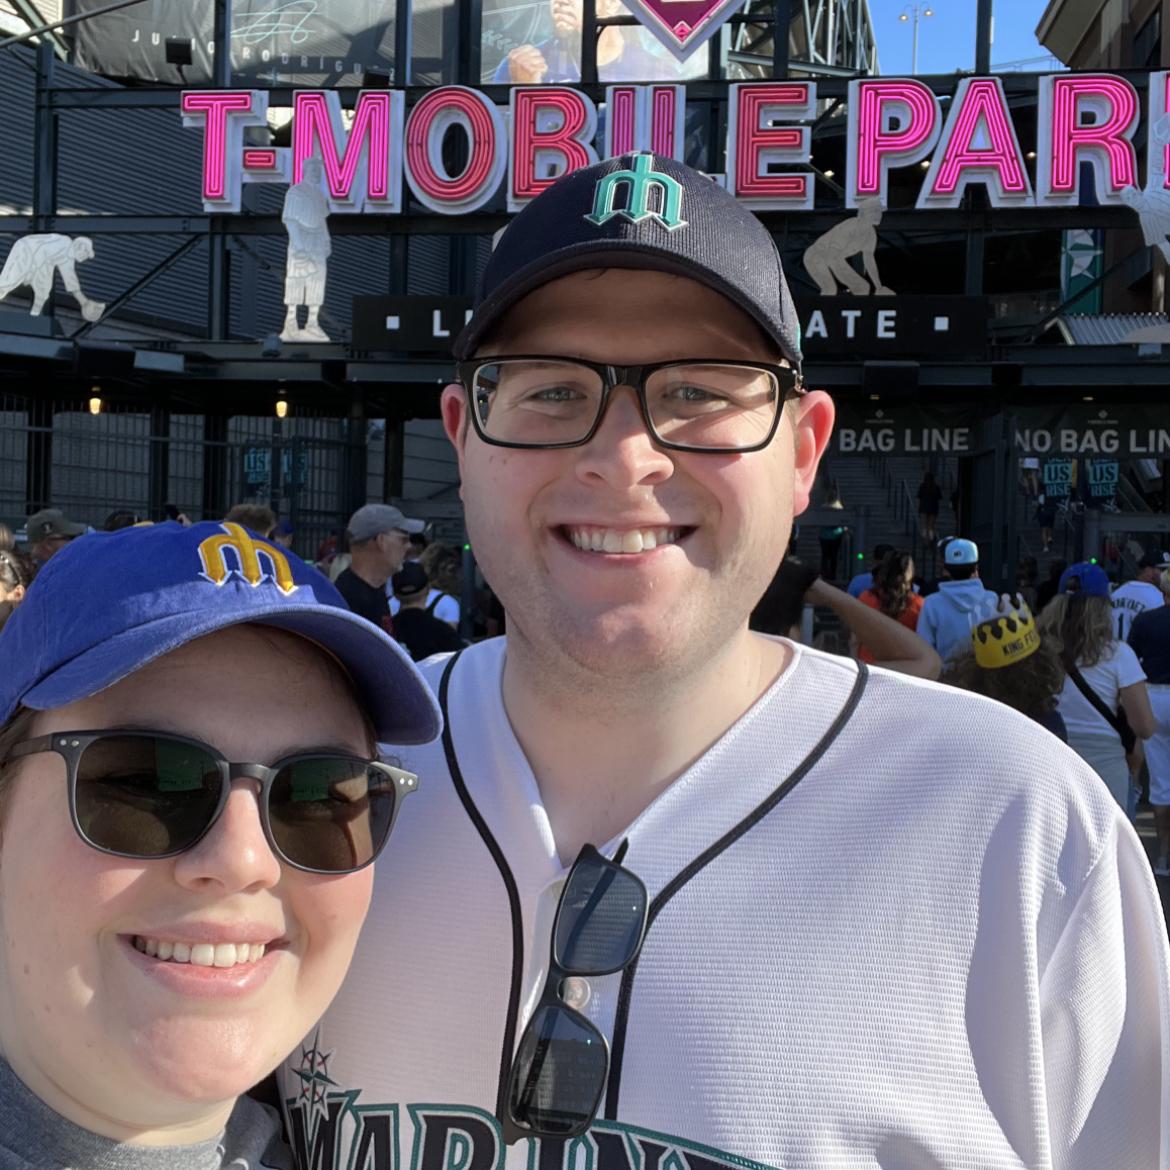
column 528, row 141
column 215, row 107
column 663, row 108
column 983, row 102
column 1111, row 134
column 260, row 160
column 874, row 144
column 369, row 134
column 622, row 112
column 752, row 139
column 482, row 142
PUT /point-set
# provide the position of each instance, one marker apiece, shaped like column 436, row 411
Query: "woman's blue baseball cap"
column 1085, row 578
column 110, row 602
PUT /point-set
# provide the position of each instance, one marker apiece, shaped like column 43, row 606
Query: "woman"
column 174, row 924
column 1010, row 662
column 892, row 593
column 929, row 498
column 1104, row 679
column 16, row 574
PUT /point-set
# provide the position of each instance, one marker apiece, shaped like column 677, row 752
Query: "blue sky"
column 946, row 40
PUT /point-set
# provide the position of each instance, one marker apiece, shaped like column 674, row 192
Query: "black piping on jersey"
column 622, row 1017
column 509, row 885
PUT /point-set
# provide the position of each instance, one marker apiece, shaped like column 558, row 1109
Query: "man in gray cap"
column 49, row 531
column 379, row 539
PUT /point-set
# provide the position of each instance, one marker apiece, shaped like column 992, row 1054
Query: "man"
column 1149, row 636
column 949, row 614
column 49, row 531
column 379, row 537
column 1142, row 593
column 415, row 626
column 259, row 518
column 885, row 918
column 862, row 581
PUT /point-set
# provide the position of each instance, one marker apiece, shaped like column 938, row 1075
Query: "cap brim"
column 605, row 253
column 401, row 706
column 413, row 527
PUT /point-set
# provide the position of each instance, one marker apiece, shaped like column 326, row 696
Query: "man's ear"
column 456, row 421
column 812, row 427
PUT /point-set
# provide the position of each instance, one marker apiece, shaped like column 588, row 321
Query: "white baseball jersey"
column 893, row 926
column 1131, row 599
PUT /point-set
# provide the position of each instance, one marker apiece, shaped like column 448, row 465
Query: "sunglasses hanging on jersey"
column 561, row 1065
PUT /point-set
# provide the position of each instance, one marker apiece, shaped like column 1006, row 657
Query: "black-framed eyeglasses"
column 561, row 1064
column 699, row 404
column 148, row 796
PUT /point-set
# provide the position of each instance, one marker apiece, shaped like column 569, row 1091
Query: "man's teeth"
column 611, row 540
column 200, row 954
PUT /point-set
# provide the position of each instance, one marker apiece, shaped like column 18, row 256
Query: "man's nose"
column 623, row 452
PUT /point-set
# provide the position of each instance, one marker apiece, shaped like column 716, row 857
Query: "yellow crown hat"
column 1006, row 636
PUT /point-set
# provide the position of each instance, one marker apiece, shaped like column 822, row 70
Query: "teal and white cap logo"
column 642, row 182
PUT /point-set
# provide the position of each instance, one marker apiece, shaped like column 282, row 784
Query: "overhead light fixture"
column 282, row 404
column 1087, row 398
column 829, row 174
column 95, row 400
column 924, row 163
column 1031, row 154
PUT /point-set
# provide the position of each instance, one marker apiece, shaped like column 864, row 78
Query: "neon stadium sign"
column 893, row 123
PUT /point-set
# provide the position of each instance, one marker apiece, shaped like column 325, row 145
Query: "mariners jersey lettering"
column 1131, row 599
column 886, row 933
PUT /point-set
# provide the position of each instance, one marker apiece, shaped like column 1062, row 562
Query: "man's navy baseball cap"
column 110, row 602
column 640, row 210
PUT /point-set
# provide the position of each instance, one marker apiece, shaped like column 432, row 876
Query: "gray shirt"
column 34, row 1137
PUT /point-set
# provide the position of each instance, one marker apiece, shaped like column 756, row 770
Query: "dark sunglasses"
column 562, row 1062
column 144, row 795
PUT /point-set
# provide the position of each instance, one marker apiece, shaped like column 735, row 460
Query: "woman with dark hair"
column 1104, row 701
column 16, row 573
column 892, row 593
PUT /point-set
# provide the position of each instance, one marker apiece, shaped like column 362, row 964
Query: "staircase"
column 880, row 495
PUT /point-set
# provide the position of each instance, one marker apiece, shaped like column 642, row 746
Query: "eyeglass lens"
column 151, row 796
column 715, row 406
column 599, row 921
column 561, row 1064
column 560, row 1072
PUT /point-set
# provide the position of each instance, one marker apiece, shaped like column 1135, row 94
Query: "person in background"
column 1026, row 577
column 16, row 575
column 378, row 537
column 418, row 544
column 947, row 616
column 174, row 923
column 49, row 531
column 1142, row 593
column 1149, row 636
column 415, row 625
column 257, row 518
column 830, row 537
column 283, row 534
column 118, row 519
column 892, row 593
column 443, row 566
column 929, row 498
column 862, row 581
column 1046, row 518
column 1011, row 663
column 1104, row 680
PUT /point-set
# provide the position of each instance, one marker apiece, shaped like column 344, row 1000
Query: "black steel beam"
column 159, row 475
column 38, row 463
column 983, row 34
column 904, row 219
column 781, row 20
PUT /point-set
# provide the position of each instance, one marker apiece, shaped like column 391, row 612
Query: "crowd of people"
column 661, row 889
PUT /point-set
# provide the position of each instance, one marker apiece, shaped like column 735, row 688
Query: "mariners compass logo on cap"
column 641, row 182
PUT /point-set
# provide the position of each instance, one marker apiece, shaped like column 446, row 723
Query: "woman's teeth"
column 200, row 954
column 611, row 540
